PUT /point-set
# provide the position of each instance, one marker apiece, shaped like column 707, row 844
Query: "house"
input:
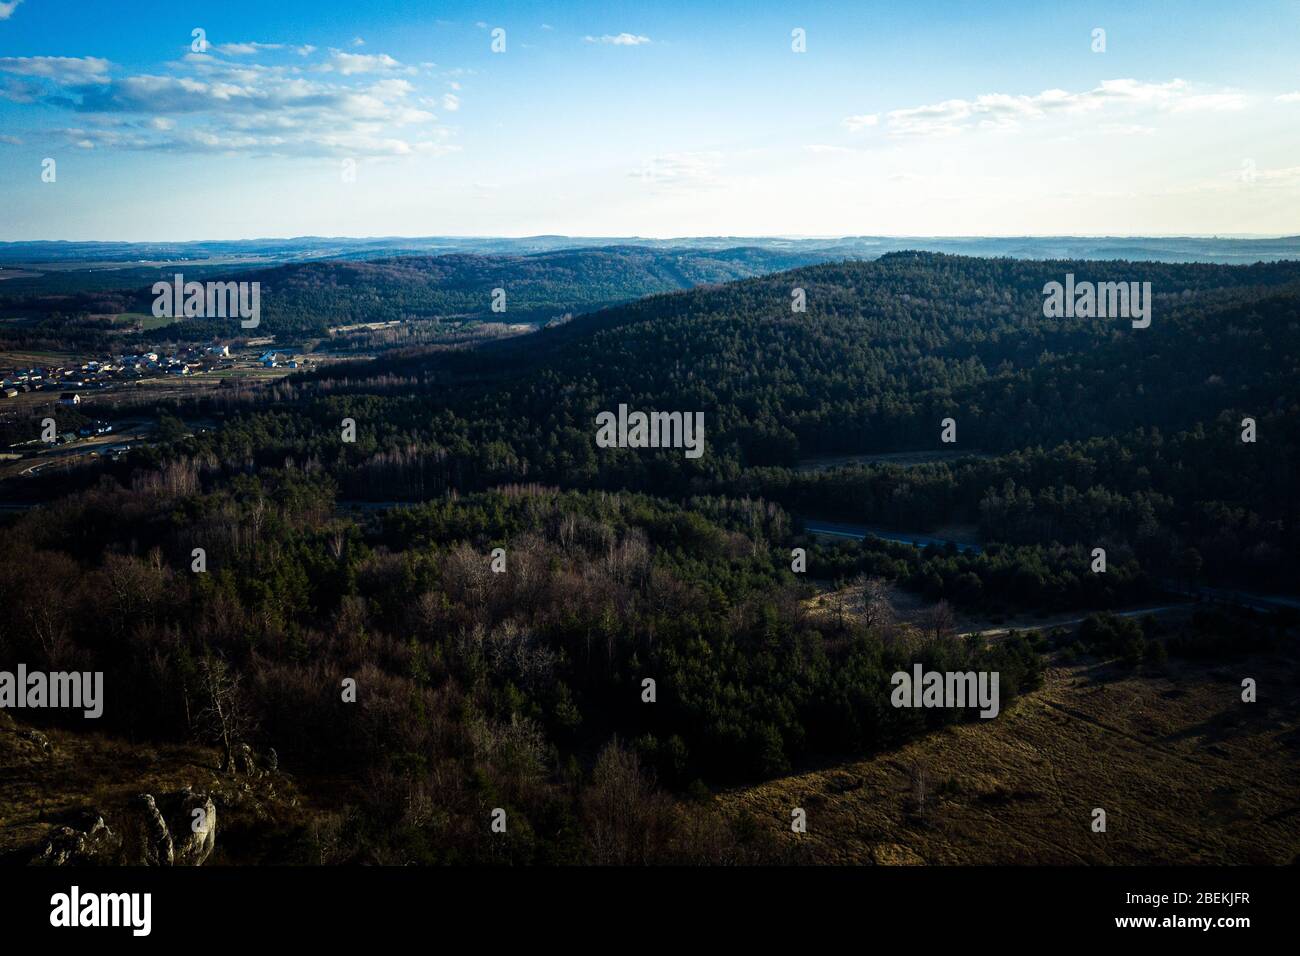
column 11, row 393
column 221, row 351
column 69, row 398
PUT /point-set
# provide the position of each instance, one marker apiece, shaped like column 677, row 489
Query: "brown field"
column 22, row 358
column 1185, row 771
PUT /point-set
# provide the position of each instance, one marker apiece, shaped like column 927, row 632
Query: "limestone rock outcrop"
column 90, row 843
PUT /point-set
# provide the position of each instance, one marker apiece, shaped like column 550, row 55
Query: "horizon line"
column 795, row 237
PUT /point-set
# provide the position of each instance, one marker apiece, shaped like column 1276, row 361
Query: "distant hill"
column 1227, row 249
column 1097, row 430
column 537, row 287
column 306, row 298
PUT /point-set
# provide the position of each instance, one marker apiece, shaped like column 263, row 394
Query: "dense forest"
column 305, row 299
column 517, row 678
column 1077, row 432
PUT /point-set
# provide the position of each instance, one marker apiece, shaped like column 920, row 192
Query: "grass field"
column 21, row 358
column 1186, row 772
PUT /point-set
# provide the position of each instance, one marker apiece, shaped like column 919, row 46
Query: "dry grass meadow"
column 1186, row 772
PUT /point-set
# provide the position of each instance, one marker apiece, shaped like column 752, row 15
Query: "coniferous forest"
column 439, row 528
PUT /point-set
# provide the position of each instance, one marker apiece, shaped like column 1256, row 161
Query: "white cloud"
column 208, row 104
column 1287, row 98
column 620, row 39
column 250, row 48
column 1004, row 111
column 450, row 102
column 352, row 63
column 7, row 9
column 687, row 170
column 1127, row 129
column 65, row 70
column 245, row 49
column 1214, row 102
column 20, row 91
column 862, row 121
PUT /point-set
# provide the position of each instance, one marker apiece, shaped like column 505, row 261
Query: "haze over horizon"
column 793, row 237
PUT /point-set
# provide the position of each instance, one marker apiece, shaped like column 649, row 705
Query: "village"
column 98, row 401
column 72, row 380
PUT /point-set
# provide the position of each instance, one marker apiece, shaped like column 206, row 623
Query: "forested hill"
column 305, row 299
column 1094, row 428
column 537, row 287
column 887, row 348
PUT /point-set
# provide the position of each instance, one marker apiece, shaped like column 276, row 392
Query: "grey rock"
column 158, row 848
column 245, row 762
column 194, row 825
column 39, row 739
column 71, row 846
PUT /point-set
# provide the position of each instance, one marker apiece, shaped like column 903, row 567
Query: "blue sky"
column 652, row 119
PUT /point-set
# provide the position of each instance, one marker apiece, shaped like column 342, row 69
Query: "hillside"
column 515, row 679
column 1087, row 431
column 1185, row 775
column 307, row 298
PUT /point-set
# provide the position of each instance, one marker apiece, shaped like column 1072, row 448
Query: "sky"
column 655, row 119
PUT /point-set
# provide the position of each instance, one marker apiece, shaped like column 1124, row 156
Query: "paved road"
column 857, row 532
column 1070, row 622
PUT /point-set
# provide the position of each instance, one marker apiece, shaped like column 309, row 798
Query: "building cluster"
column 72, row 379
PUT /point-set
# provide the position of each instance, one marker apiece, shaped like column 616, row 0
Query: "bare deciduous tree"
column 873, row 596
column 937, row 621
column 920, row 779
column 222, row 719
column 625, row 819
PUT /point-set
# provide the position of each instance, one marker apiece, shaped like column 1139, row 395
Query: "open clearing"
column 1185, row 771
